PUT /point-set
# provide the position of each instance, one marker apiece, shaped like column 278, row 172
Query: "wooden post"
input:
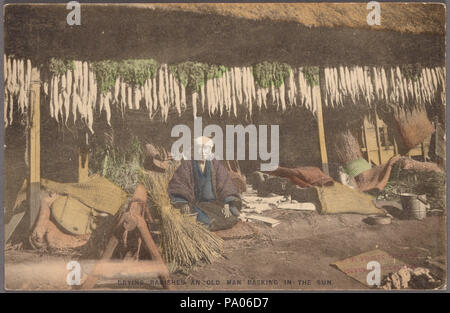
column 365, row 140
column 317, row 92
column 377, row 134
column 83, row 165
column 35, row 147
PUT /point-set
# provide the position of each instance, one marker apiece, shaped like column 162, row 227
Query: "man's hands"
column 185, row 209
column 226, row 210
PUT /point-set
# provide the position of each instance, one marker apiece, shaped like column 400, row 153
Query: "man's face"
column 205, row 150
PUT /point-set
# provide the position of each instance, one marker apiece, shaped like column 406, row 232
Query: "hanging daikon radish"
column 69, row 82
column 384, row 84
column 171, row 96
column 223, row 87
column 264, row 93
column 122, row 95
column 245, row 87
column 194, row 103
column 15, row 86
column 129, row 97
column 251, row 82
column 277, row 96
column 315, row 98
column 348, row 83
column 215, row 98
column 434, row 77
column 306, row 94
column 377, row 82
column 329, row 83
column 176, row 87
column 251, row 86
column 150, row 97
column 301, row 88
column 85, row 91
column 9, row 76
column 61, row 106
column 117, row 89
column 161, row 90
column 400, row 85
column 416, row 92
column 11, row 108
column 101, row 102
column 145, row 93
column 167, row 90
column 20, row 81
column 233, row 90
column 221, row 97
column 337, row 92
column 108, row 108
column 137, row 98
column 368, row 84
column 203, row 96
column 229, row 92
column 293, row 86
column 74, row 93
column 354, row 78
column 90, row 117
column 66, row 98
column 92, row 91
column 55, row 98
column 225, row 96
column 281, row 91
column 428, row 84
column 341, row 81
column 238, row 81
column 340, row 90
column 5, row 108
column 183, row 96
column 259, row 98
column 209, row 96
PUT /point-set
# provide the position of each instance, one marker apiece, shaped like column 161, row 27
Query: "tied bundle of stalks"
column 430, row 183
column 184, row 241
column 346, row 147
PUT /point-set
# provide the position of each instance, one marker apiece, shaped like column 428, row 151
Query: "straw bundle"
column 346, row 147
column 184, row 242
column 430, row 183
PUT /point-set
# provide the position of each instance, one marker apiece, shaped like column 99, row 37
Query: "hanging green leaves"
column 311, row 75
column 134, row 72
column 269, row 74
column 194, row 74
column 411, row 71
column 60, row 67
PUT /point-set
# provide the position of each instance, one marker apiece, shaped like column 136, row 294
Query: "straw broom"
column 184, row 241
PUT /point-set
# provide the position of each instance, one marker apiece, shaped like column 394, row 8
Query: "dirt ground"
column 301, row 250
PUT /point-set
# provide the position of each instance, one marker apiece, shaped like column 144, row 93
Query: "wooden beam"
column 316, row 96
column 35, row 147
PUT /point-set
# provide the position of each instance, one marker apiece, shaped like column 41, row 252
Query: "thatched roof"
column 231, row 34
column 416, row 18
column 359, row 64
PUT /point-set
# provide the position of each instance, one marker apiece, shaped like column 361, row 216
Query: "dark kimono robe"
column 192, row 186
